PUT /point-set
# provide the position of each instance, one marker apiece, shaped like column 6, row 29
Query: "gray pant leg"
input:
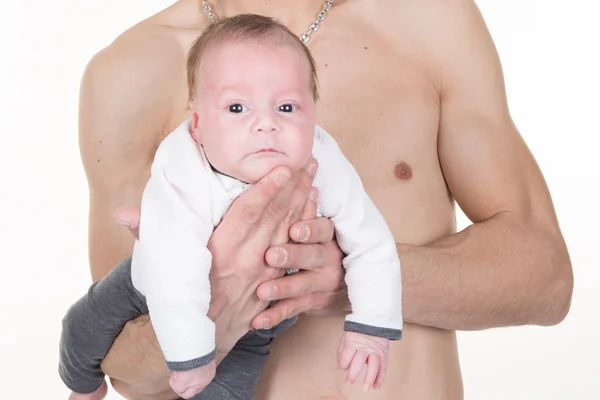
column 92, row 324
column 239, row 371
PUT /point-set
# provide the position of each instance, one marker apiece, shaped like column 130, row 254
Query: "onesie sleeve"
column 171, row 261
column 371, row 260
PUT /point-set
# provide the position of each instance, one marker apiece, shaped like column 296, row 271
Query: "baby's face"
column 254, row 108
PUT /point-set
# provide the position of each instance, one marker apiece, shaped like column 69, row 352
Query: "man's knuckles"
column 250, row 214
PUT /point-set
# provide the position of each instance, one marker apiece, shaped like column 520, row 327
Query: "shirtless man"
column 414, row 94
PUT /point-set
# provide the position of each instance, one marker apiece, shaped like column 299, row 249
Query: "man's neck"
column 296, row 14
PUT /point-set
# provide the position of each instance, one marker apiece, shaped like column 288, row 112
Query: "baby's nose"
column 262, row 128
column 265, row 123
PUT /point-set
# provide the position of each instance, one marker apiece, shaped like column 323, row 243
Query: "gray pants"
column 92, row 324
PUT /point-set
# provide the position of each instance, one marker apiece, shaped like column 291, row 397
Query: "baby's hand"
column 187, row 384
column 355, row 350
column 99, row 394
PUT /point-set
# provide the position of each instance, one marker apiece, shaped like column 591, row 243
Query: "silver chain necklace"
column 212, row 17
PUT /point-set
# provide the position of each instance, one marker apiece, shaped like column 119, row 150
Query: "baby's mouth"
column 267, row 150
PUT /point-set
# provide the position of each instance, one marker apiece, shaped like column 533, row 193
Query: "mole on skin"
column 403, row 171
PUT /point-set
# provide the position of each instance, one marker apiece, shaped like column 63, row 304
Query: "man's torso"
column 379, row 100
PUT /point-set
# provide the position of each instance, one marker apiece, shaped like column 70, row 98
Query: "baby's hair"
column 240, row 28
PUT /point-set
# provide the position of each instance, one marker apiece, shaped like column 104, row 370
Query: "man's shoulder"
column 432, row 9
column 155, row 47
column 425, row 21
column 146, row 52
column 431, row 32
column 134, row 82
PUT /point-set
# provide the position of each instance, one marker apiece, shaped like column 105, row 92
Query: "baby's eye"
column 287, row 108
column 237, row 108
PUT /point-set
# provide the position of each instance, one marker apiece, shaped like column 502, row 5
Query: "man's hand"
column 261, row 217
column 130, row 218
column 319, row 287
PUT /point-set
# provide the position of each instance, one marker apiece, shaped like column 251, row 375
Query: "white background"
column 549, row 50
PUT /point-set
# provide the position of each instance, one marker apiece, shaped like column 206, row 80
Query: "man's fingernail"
column 265, row 323
column 272, row 293
column 311, row 169
column 313, row 195
column 280, row 257
column 302, row 233
column 281, row 178
column 120, row 221
column 125, row 224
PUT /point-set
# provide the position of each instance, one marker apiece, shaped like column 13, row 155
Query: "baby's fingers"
column 381, row 374
column 345, row 355
column 190, row 392
column 358, row 361
column 373, row 367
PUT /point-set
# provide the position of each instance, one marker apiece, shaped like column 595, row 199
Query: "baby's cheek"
column 235, row 157
column 224, row 156
column 301, row 151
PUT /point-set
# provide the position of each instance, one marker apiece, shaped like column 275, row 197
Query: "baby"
column 253, row 90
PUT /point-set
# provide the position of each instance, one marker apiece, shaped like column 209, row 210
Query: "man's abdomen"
column 303, row 365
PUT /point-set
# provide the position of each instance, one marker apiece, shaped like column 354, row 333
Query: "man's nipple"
column 403, row 171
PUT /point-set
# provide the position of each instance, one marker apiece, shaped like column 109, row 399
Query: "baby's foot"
column 356, row 350
column 99, row 394
column 187, row 384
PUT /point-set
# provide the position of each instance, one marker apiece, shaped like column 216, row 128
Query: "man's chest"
column 380, row 107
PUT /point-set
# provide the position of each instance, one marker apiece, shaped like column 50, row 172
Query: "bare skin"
column 413, row 92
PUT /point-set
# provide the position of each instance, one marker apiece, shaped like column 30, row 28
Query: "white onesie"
column 183, row 202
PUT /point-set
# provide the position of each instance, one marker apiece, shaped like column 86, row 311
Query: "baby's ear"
column 195, row 126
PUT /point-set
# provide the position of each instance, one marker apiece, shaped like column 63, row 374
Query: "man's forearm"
column 500, row 272
column 136, row 364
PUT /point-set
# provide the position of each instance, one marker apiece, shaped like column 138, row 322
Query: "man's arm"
column 124, row 103
column 511, row 267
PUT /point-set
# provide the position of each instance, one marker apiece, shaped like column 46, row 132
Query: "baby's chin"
column 256, row 169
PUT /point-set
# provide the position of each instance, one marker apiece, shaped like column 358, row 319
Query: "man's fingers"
column 287, row 207
column 319, row 230
column 301, row 197
column 130, row 218
column 282, row 310
column 295, row 285
column 303, row 256
column 268, row 208
column 310, row 208
column 303, row 203
column 250, row 206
